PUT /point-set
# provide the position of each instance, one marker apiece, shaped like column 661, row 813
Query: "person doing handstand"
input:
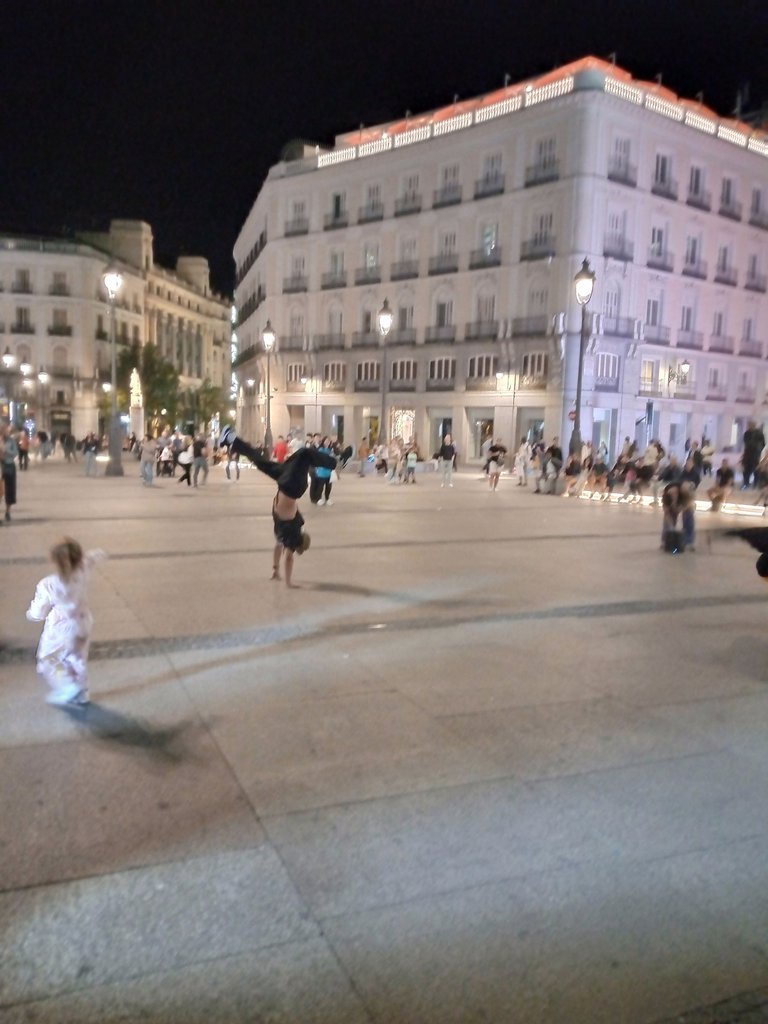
column 292, row 479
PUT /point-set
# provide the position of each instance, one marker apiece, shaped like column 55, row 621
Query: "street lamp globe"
column 9, row 359
column 584, row 283
column 268, row 337
column 385, row 319
column 685, row 367
column 43, row 376
column 25, row 368
column 113, row 282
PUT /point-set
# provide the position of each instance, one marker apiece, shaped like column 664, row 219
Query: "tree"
column 200, row 405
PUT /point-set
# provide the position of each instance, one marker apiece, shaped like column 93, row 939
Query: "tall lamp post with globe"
column 268, row 337
column 384, row 318
column 113, row 282
column 584, row 284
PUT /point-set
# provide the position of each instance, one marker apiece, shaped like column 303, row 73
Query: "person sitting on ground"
column 720, row 491
column 572, row 474
column 597, row 480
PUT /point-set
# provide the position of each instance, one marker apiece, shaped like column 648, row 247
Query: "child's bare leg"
column 288, row 568
column 276, row 561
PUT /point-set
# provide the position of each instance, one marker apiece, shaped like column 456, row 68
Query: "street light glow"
column 268, row 337
column 113, row 282
column 385, row 318
column 43, row 376
column 9, row 359
column 584, row 283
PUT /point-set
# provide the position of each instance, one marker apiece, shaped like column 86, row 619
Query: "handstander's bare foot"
column 276, row 574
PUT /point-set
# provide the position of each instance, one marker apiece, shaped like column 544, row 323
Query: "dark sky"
column 172, row 112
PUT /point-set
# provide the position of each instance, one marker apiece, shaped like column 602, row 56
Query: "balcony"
column 745, row 395
column 529, row 326
column 334, row 386
column 756, row 282
column 23, row 328
column 690, row 339
column 481, row 383
column 295, row 283
column 368, row 275
column 402, row 336
column 537, row 249
column 541, row 174
column 622, row 172
column 406, row 205
column 59, row 289
column 444, row 263
column 490, row 186
column 606, row 383
column 370, row 212
column 332, row 221
column 334, row 279
column 726, row 275
column 660, row 259
column 367, row 385
column 684, row 388
column 656, row 334
column 448, row 195
column 443, row 333
column 101, row 335
column 292, row 343
column 664, row 187
column 365, row 339
column 60, row 330
column 297, row 226
column 649, row 388
column 695, row 268
column 619, row 326
column 477, row 330
column 441, row 384
column 479, row 258
column 538, row 382
column 701, row 199
column 21, row 288
column 716, row 392
column 618, row 248
column 403, row 269
column 721, row 343
column 326, row 341
column 751, row 347
column 759, row 219
column 404, row 384
column 730, row 208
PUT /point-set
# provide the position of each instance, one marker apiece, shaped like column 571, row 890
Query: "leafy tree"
column 159, row 382
column 201, row 404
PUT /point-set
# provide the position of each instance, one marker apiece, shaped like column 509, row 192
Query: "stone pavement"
column 498, row 759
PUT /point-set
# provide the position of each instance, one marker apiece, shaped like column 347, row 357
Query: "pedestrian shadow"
column 111, row 726
column 340, row 588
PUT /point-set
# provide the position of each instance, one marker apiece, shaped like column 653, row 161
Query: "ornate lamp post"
column 113, row 282
column 584, row 284
column 384, row 319
column 268, row 337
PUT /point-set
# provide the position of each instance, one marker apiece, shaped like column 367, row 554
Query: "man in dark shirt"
column 690, row 474
column 721, row 489
column 754, row 442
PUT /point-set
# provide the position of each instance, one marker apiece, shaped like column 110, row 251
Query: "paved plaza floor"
column 496, row 759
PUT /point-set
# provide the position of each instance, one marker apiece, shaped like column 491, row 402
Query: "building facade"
column 473, row 221
column 54, row 322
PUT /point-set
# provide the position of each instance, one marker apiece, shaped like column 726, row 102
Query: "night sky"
column 172, row 112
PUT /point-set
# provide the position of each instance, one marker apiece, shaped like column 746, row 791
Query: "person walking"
column 754, row 442
column 185, row 461
column 10, row 452
column 90, row 450
column 447, row 458
column 23, row 442
column 496, row 454
column 200, row 457
column 148, row 453
column 363, row 451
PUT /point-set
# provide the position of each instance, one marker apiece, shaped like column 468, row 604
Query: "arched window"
column 442, row 369
column 404, row 369
column 535, row 367
column 612, row 301
column 60, row 357
column 368, row 371
column 294, row 372
column 334, row 373
column 481, row 367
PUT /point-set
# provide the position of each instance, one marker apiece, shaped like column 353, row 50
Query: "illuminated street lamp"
column 584, row 284
column 9, row 359
column 384, row 319
column 268, row 337
column 113, row 282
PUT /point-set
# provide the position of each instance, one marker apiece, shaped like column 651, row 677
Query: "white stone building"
column 472, row 221
column 54, row 318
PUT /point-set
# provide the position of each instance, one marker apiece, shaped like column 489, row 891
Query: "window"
column 718, row 324
column 59, row 319
column 492, row 167
column 298, row 209
column 371, row 255
column 294, row 372
column 411, row 187
column 542, row 227
column 298, row 264
column 404, row 369
column 368, row 371
column 296, row 325
column 372, row 196
column 442, row 369
column 537, row 301
column 691, row 251
column 696, row 181
column 486, row 308
column 748, row 330
column 408, row 249
column 686, row 318
column 756, row 205
column 450, row 176
column 22, row 317
column 715, row 377
column 723, row 257
column 752, row 267
column 336, row 265
column 481, row 366
column 447, row 243
column 335, row 321
column 334, row 373
column 545, row 153
column 657, row 241
column 338, row 204
column 648, row 373
column 617, row 223
column 727, row 192
column 489, row 236
column 22, row 281
column 59, row 358
column 607, row 365
column 535, row 365
column 611, row 301
column 444, row 313
column 59, row 286
column 404, row 317
column 622, row 148
column 367, row 321
column 663, row 169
